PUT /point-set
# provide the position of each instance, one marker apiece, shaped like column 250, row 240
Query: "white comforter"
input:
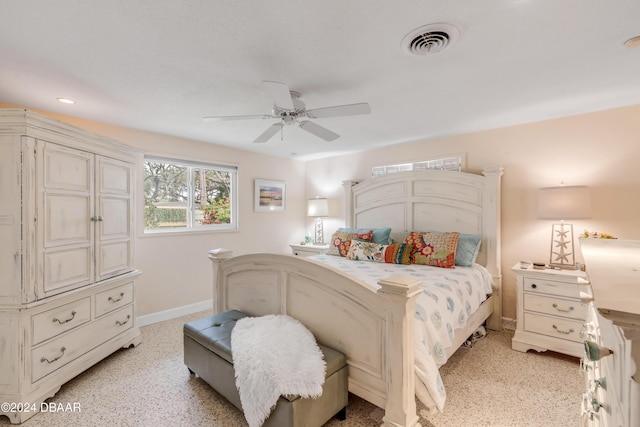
column 448, row 298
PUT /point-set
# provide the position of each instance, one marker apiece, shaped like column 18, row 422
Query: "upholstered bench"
column 207, row 353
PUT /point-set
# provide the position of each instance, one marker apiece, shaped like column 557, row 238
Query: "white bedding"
column 448, row 298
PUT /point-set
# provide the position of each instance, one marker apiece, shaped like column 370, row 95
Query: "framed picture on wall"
column 269, row 196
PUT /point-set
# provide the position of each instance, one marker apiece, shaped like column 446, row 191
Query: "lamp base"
column 319, row 236
column 562, row 253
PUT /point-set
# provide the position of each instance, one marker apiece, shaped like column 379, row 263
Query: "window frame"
column 191, row 205
column 453, row 162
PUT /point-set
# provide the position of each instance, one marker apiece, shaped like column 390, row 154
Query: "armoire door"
column 65, row 213
column 114, row 226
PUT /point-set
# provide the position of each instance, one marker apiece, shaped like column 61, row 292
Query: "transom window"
column 182, row 195
column 449, row 163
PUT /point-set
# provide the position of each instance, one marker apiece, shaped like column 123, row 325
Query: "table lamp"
column 563, row 203
column 318, row 208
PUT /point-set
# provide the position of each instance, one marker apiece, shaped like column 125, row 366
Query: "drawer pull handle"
column 116, row 300
column 119, row 323
column 62, row 322
column 570, row 331
column 44, row 359
column 562, row 309
column 533, row 286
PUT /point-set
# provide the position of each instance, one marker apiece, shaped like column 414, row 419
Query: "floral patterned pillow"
column 434, row 249
column 341, row 240
column 396, row 253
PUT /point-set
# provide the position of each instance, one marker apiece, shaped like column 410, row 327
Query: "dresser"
column 308, row 250
column 67, row 276
column 612, row 334
column 549, row 312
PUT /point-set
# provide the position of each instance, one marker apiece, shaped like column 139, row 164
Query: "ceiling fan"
column 288, row 109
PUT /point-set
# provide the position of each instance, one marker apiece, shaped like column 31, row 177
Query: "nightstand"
column 308, row 250
column 550, row 315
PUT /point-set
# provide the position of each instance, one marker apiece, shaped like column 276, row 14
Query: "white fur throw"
column 274, row 355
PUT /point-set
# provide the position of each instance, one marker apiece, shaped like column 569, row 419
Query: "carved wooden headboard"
column 432, row 200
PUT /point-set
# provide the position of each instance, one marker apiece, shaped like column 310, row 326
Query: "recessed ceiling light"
column 66, row 101
column 634, row 42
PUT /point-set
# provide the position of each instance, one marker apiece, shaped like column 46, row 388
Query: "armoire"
column 67, row 276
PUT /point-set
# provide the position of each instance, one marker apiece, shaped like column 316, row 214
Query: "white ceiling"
column 161, row 65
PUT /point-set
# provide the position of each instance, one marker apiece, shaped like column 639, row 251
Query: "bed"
column 375, row 324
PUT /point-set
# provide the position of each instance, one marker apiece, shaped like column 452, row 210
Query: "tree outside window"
column 185, row 196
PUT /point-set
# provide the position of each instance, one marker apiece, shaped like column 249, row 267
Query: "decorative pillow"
column 434, row 249
column 397, row 253
column 467, row 249
column 341, row 240
column 380, row 235
column 366, row 251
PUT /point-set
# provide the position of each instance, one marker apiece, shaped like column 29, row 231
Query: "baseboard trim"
column 172, row 313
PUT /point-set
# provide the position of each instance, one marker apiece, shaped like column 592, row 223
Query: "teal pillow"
column 467, row 249
column 380, row 235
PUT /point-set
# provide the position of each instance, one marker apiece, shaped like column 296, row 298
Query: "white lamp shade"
column 570, row 202
column 318, row 207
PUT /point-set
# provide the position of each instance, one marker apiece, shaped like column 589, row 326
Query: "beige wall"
column 600, row 150
column 176, row 270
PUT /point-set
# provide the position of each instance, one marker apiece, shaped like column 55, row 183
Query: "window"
column 182, row 195
column 449, row 163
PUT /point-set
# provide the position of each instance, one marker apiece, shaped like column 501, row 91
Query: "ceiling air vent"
column 430, row 39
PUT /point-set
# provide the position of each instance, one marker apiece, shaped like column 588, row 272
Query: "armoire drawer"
column 60, row 319
column 566, row 329
column 58, row 352
column 555, row 306
column 114, row 298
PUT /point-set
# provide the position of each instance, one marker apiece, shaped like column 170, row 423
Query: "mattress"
column 449, row 296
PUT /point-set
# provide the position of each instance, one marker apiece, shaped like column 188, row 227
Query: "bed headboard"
column 432, row 200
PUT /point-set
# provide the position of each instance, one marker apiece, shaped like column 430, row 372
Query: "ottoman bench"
column 207, row 353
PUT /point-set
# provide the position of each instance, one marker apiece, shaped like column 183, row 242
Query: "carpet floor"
column 487, row 385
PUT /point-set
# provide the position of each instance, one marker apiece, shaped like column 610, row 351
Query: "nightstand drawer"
column 553, row 326
column 555, row 306
column 308, row 250
column 551, row 287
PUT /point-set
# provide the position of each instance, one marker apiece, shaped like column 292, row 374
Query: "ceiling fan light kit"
column 288, row 108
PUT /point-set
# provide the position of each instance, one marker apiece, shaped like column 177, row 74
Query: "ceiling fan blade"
column 319, row 131
column 280, row 94
column 340, row 110
column 267, row 134
column 224, row 118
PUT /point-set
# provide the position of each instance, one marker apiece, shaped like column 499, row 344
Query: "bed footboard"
column 373, row 327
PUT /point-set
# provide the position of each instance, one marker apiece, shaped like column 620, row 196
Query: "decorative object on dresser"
column 549, row 312
column 564, row 202
column 375, row 324
column 318, row 208
column 308, row 250
column 67, row 281
column 612, row 333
